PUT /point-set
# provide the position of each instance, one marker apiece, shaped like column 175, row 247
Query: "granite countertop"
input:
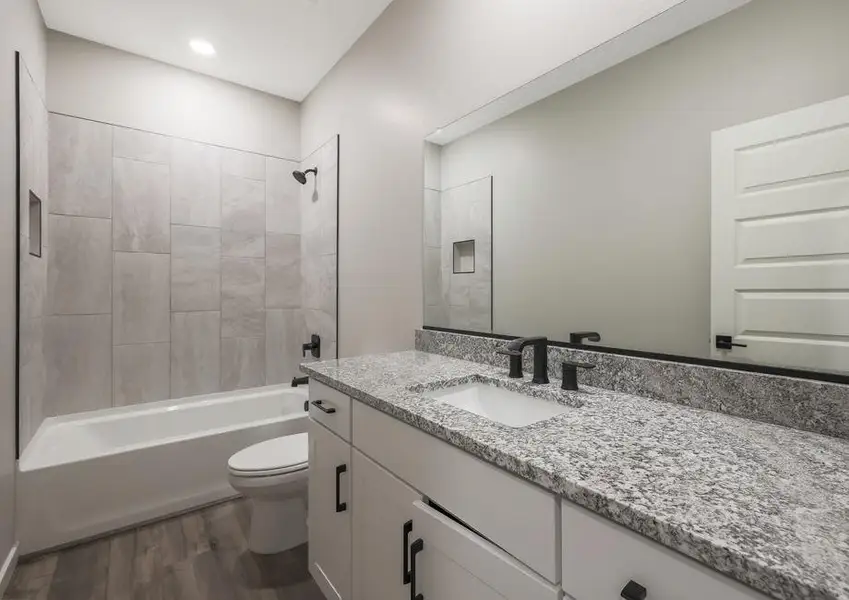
column 764, row 504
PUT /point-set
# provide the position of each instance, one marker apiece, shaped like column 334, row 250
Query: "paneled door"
column 780, row 239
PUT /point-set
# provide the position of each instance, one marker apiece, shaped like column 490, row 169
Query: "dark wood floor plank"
column 81, row 572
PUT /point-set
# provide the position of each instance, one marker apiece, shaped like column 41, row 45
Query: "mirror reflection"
column 693, row 200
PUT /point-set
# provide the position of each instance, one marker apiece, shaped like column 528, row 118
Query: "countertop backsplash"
column 816, row 406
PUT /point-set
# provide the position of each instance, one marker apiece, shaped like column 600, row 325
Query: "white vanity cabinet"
column 330, row 509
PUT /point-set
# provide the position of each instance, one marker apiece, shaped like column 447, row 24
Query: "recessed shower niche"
column 464, row 257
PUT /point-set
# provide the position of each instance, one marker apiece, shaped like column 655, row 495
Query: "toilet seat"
column 287, row 454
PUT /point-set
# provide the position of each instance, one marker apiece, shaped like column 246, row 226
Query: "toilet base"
column 278, row 525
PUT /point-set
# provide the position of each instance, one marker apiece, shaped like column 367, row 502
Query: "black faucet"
column 570, row 374
column 296, row 381
column 514, row 351
column 313, row 346
column 578, row 337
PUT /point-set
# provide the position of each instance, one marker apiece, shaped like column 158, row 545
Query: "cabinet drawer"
column 331, row 408
column 453, row 562
column 601, row 557
column 518, row 516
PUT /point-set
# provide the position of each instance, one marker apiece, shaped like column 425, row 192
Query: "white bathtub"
column 88, row 474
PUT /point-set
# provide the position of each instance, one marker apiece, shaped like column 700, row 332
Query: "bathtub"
column 88, row 474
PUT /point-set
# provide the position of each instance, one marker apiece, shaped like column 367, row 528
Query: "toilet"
column 273, row 475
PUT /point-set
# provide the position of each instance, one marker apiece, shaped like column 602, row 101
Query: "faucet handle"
column 515, row 361
column 570, row 374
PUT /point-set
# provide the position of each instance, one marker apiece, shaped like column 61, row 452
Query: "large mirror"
column 692, row 200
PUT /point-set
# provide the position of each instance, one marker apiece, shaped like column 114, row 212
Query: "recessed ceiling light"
column 202, row 47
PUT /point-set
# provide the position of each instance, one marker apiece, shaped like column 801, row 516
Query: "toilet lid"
column 280, row 455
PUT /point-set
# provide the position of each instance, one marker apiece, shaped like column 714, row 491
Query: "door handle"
column 319, row 404
column 726, row 342
column 408, row 529
column 340, row 506
column 417, row 547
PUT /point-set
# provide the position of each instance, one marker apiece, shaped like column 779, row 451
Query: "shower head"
column 301, row 176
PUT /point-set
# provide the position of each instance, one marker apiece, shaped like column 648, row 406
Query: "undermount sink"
column 498, row 404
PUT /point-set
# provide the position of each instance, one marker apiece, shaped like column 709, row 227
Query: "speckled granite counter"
column 766, row 505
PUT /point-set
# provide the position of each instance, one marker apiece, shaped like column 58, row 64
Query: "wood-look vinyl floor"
column 198, row 556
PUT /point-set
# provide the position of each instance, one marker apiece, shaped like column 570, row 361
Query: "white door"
column 450, row 562
column 330, row 512
column 780, row 238
column 383, row 529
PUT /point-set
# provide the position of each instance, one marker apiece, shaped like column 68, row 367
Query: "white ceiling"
column 283, row 47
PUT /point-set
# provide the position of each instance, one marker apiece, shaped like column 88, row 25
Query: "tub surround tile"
column 285, row 332
column 242, row 297
column 33, row 376
column 242, row 363
column 33, row 281
column 141, row 298
column 78, row 354
column 195, row 184
column 195, row 353
column 80, row 167
column 242, row 204
column 283, row 271
column 141, row 145
column 79, row 271
column 244, row 244
column 195, row 268
column 243, row 164
column 763, row 504
column 142, row 207
column 319, row 282
column 814, row 406
column 140, row 373
column 282, row 197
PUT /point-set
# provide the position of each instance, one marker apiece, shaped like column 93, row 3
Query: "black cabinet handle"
column 634, row 591
column 319, row 404
column 417, row 547
column 726, row 342
column 408, row 529
column 340, row 506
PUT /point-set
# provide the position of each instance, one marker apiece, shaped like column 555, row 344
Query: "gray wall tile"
column 141, row 302
column 141, row 145
column 140, row 373
column 242, row 204
column 195, row 268
column 282, row 196
column 285, row 333
column 319, row 282
column 33, row 376
column 78, row 352
column 195, row 184
column 33, row 295
column 243, row 244
column 283, row 271
column 242, row 297
column 142, row 207
column 79, row 269
column 243, row 164
column 80, row 167
column 195, row 353
column 242, row 363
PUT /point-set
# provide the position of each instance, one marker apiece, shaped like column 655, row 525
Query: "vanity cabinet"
column 330, row 509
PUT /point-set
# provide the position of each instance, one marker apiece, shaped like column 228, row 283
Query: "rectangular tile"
column 283, row 271
column 142, row 207
column 246, row 244
column 242, row 297
column 195, row 268
column 282, row 197
column 33, row 295
column 79, row 272
column 140, row 373
column 318, row 275
column 80, row 167
column 78, row 353
column 242, row 363
column 195, row 353
column 141, row 145
column 285, row 333
column 141, row 303
column 33, row 376
column 195, row 184
column 243, row 164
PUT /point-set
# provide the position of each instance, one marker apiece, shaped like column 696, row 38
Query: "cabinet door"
column 330, row 512
column 450, row 561
column 381, row 534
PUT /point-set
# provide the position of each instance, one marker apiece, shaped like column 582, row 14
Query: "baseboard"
column 8, row 569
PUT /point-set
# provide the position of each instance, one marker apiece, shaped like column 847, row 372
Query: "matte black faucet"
column 514, row 351
column 578, row 337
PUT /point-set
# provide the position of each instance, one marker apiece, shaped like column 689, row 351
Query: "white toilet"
column 273, row 475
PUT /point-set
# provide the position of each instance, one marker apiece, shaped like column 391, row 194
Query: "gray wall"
column 21, row 29
column 602, row 201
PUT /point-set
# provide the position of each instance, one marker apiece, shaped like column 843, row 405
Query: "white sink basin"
column 497, row 404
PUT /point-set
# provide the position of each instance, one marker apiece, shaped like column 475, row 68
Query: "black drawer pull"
column 417, row 547
column 634, row 591
column 319, row 404
column 340, row 506
column 408, row 529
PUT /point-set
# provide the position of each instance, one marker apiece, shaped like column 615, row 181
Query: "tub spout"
column 296, row 381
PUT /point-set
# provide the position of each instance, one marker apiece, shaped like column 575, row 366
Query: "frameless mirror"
column 692, row 201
